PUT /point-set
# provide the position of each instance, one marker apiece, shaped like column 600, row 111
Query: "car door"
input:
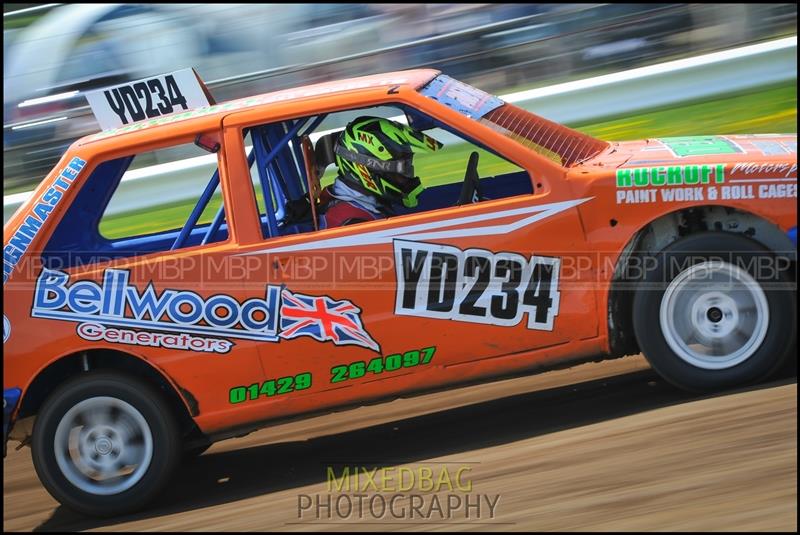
column 392, row 298
column 475, row 281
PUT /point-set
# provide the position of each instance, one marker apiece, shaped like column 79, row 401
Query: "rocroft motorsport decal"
column 662, row 183
column 673, row 175
column 280, row 313
column 706, row 182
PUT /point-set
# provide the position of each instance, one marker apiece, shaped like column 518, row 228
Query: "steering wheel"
column 470, row 190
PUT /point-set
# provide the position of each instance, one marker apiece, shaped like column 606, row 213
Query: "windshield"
column 563, row 145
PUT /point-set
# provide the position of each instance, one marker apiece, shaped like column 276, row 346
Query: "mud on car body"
column 136, row 336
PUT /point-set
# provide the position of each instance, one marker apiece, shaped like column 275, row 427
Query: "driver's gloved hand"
column 298, row 210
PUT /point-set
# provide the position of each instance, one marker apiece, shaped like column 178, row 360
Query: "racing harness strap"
column 312, row 177
column 341, row 213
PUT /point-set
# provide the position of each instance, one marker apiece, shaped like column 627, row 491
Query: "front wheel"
column 715, row 310
column 104, row 444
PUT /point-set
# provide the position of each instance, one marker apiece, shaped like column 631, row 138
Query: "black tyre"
column 715, row 310
column 195, row 451
column 105, row 444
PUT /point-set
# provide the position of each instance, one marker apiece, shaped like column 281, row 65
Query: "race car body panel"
column 273, row 320
column 736, row 149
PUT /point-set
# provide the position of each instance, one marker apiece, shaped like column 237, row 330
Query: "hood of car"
column 699, row 150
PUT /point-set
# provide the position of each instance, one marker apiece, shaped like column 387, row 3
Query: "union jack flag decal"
column 324, row 319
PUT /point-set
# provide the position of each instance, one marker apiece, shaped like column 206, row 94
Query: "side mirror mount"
column 208, row 142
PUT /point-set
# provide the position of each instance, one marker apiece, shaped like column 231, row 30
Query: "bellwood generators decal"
column 280, row 314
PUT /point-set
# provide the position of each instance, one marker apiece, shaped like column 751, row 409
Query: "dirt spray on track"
column 603, row 446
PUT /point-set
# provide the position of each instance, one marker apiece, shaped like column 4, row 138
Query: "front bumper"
column 10, row 400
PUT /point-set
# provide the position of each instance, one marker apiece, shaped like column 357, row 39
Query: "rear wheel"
column 104, row 444
column 716, row 311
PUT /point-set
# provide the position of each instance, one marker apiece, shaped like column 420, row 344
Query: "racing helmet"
column 374, row 156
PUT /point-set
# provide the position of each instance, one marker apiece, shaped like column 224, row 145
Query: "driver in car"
column 375, row 171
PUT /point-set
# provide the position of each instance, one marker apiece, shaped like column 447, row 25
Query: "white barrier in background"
column 581, row 100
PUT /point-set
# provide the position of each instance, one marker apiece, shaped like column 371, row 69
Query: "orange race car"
column 193, row 273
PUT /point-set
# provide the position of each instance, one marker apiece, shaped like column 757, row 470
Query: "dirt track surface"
column 603, row 446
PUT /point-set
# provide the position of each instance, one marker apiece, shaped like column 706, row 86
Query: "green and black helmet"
column 374, row 155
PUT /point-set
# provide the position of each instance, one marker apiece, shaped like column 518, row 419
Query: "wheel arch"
column 666, row 229
column 181, row 402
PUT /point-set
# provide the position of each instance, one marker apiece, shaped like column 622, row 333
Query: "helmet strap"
column 410, row 200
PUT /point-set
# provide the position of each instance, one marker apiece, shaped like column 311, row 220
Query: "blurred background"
column 53, row 53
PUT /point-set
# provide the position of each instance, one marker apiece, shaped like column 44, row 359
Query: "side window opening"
column 279, row 169
column 115, row 216
column 443, row 172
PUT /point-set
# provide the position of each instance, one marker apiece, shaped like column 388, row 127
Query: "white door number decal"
column 475, row 285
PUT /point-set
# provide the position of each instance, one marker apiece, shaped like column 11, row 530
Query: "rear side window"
column 158, row 192
column 147, row 202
